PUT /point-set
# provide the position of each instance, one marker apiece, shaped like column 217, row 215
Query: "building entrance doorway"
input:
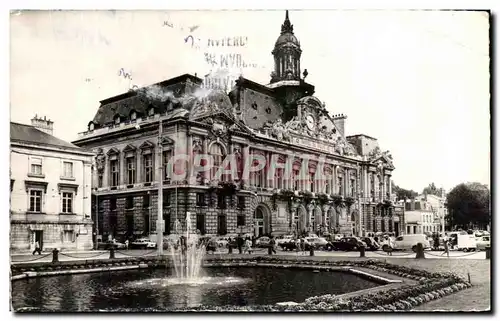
column 37, row 237
column 261, row 221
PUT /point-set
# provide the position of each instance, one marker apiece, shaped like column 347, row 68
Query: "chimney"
column 339, row 122
column 43, row 124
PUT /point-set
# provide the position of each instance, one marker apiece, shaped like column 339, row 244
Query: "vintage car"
column 371, row 244
column 263, row 241
column 348, row 244
column 483, row 243
column 142, row 243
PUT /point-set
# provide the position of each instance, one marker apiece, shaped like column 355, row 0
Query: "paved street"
column 71, row 256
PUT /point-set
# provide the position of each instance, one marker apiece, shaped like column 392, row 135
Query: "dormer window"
column 91, row 126
column 133, row 116
column 117, row 120
column 151, row 111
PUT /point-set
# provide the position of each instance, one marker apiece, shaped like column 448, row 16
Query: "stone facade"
column 282, row 122
column 50, row 193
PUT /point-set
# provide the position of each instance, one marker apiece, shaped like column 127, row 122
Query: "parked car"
column 409, row 241
column 222, row 242
column 289, row 245
column 318, row 243
column 283, row 238
column 348, row 244
column 483, row 243
column 263, row 241
column 109, row 244
column 143, row 243
column 371, row 244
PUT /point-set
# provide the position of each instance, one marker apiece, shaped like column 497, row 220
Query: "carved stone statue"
column 100, row 161
column 294, row 124
column 340, row 146
column 197, row 145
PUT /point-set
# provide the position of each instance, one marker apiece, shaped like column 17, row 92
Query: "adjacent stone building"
column 282, row 121
column 50, row 190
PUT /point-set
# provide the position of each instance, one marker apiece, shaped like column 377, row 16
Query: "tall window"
column 200, row 199
column 296, row 179
column 311, row 181
column 36, row 166
column 200, row 223
column 99, row 180
column 145, row 201
column 67, row 202
column 129, row 202
column 221, row 225
column 279, row 178
column 115, row 173
column 218, row 157
column 131, row 170
column 340, row 186
column 327, row 188
column 167, row 155
column 221, row 201
column 68, row 169
column 259, row 178
column 148, row 168
column 374, row 225
column 382, row 225
column 240, row 219
column 36, row 200
column 353, row 187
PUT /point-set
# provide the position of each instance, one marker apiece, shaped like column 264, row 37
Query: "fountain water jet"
column 188, row 255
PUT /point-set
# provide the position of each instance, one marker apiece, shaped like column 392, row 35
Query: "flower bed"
column 430, row 286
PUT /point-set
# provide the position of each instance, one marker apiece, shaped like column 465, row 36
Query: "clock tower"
column 286, row 80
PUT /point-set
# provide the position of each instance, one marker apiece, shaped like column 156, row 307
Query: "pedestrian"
column 297, row 245
column 446, row 248
column 37, row 248
column 248, row 245
column 302, row 246
column 272, row 243
column 253, row 240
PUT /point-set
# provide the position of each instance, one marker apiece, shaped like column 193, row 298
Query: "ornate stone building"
column 282, row 121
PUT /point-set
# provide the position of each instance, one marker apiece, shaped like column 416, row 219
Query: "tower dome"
column 286, row 54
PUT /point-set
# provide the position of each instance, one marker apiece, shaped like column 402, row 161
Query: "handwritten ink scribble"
column 88, row 79
column 166, row 23
column 125, row 75
column 193, row 28
column 228, row 61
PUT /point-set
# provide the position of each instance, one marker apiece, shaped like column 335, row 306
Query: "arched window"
column 151, row 111
column 91, row 126
column 217, row 153
column 117, row 119
column 133, row 115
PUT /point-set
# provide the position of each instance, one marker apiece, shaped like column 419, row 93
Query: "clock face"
column 310, row 122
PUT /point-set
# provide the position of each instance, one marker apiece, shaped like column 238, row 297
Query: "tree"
column 468, row 206
column 433, row 190
column 402, row 193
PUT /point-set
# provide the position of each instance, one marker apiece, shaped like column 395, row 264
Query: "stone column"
column 191, row 179
column 206, row 174
column 122, row 168
column 268, row 182
column 246, row 164
column 389, row 185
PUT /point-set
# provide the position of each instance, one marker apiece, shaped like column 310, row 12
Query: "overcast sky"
column 418, row 81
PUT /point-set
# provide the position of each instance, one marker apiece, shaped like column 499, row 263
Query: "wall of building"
column 50, row 220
